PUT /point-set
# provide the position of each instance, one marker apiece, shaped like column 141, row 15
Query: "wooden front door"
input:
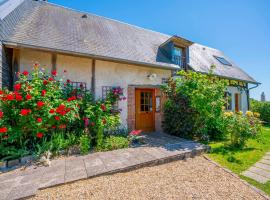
column 236, row 102
column 145, row 115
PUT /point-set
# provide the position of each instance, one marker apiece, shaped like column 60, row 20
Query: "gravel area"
column 195, row 178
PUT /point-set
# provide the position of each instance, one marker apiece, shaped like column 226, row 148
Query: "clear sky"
column 240, row 28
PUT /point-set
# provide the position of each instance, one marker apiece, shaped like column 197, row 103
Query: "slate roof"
column 48, row 26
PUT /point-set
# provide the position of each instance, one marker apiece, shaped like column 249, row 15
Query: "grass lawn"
column 238, row 160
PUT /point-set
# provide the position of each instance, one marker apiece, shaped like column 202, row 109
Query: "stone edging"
column 259, row 191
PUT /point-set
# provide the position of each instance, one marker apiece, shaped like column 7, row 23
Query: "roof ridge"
column 107, row 18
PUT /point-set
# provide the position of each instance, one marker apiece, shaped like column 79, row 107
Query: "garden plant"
column 45, row 113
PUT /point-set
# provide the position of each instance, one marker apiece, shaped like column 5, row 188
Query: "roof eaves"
column 100, row 57
column 227, row 77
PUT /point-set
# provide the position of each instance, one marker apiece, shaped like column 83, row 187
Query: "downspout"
column 248, row 89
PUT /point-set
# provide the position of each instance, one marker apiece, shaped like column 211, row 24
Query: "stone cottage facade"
column 103, row 53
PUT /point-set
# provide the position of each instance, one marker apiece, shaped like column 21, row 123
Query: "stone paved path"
column 260, row 171
column 159, row 148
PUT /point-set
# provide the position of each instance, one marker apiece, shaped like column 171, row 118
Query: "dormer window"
column 177, row 55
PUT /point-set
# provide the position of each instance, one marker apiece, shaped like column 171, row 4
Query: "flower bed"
column 44, row 113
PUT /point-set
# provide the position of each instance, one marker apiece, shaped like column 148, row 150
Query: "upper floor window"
column 177, row 56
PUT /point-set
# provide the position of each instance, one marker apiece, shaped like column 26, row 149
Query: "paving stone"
column 267, row 157
column 4, row 193
column 143, row 156
column 46, row 181
column 22, row 191
column 260, row 171
column 113, row 161
column 265, row 161
column 94, row 166
column 156, row 153
column 75, row 170
column 256, row 177
column 263, row 166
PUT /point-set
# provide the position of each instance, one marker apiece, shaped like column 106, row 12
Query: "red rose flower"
column 1, row 114
column 54, row 73
column 71, row 98
column 39, row 119
column 62, row 126
column 25, row 73
column 50, row 79
column 45, row 82
column 28, row 97
column 51, row 111
column 19, row 97
column 25, row 112
column 57, row 118
column 3, row 129
column 43, row 92
column 1, row 92
column 68, row 81
column 103, row 107
column 40, row 104
column 10, row 97
column 39, row 135
column 17, row 87
column 53, row 127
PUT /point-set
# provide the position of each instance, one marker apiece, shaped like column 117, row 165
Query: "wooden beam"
column 93, row 79
column 54, row 59
column 15, row 65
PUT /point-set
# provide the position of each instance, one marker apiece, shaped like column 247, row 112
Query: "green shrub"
column 241, row 127
column 84, row 144
column 115, row 142
column 263, row 108
column 194, row 105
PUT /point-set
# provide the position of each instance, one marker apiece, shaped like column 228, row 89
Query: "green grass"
column 238, row 160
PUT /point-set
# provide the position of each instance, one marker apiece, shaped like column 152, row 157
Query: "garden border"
column 259, row 191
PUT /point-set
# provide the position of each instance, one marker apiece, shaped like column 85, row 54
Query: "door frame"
column 153, row 104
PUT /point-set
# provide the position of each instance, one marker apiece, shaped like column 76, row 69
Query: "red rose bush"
column 34, row 109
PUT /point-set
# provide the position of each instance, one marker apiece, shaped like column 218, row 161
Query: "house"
column 102, row 53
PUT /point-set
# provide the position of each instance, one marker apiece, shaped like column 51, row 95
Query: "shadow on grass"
column 229, row 152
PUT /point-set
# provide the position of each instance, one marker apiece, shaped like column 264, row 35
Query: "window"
column 223, row 61
column 105, row 91
column 228, row 101
column 177, row 55
column 146, row 102
column 164, row 80
column 79, row 88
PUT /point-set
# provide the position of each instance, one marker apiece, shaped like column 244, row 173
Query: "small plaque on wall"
column 157, row 103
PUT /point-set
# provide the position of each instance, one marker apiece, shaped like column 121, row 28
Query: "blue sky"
column 240, row 28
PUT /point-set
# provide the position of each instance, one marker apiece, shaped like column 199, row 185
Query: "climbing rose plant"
column 35, row 109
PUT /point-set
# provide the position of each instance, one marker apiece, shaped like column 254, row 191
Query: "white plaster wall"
column 243, row 98
column 78, row 69
column 117, row 74
column 29, row 57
